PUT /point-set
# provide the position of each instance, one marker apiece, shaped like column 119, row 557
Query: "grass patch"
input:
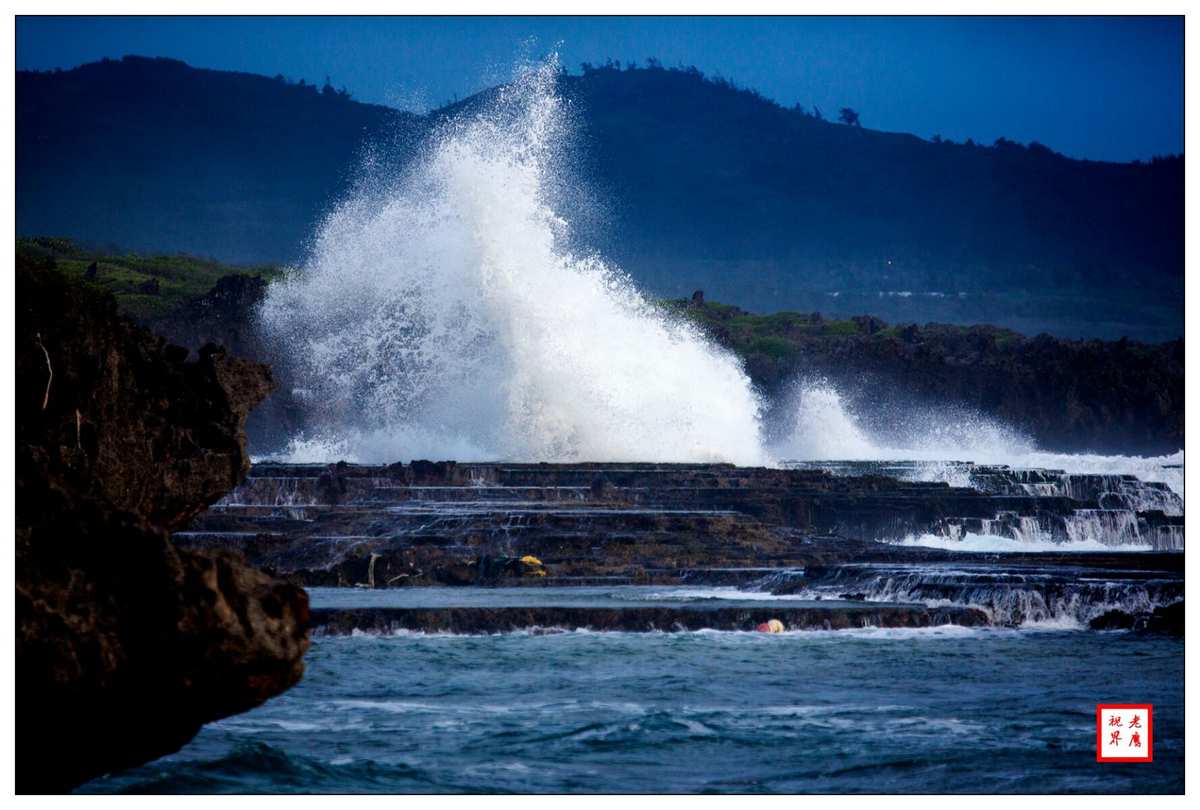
column 179, row 277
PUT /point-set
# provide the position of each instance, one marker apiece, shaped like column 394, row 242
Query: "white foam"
column 990, row 543
column 937, row 632
column 720, row 592
column 823, row 427
column 1167, row 469
column 441, row 314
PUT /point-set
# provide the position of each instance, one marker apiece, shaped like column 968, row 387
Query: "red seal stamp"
column 1123, row 732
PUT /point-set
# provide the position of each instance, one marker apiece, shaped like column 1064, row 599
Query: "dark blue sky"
column 1108, row 88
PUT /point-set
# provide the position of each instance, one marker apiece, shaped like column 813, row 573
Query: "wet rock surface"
column 786, row 531
column 1166, row 620
column 126, row 645
column 640, row 619
column 446, row 523
column 113, row 414
column 1011, row 591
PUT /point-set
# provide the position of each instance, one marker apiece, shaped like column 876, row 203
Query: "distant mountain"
column 701, row 185
column 153, row 155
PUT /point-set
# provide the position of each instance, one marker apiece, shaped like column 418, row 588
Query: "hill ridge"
column 702, row 184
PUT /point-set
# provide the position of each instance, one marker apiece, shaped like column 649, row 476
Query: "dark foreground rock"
column 126, row 645
column 331, row 621
column 1167, row 620
column 1113, row 620
column 1164, row 620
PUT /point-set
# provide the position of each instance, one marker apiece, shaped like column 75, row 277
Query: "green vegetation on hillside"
column 773, row 345
column 777, row 348
column 145, row 287
column 776, row 338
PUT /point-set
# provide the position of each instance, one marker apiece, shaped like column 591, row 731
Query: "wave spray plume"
column 441, row 314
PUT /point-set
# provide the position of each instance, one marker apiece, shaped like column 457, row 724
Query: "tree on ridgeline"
column 849, row 117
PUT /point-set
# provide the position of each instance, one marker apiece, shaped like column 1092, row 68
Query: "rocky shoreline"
column 125, row 644
column 785, row 531
column 157, row 568
column 431, row 523
column 634, row 619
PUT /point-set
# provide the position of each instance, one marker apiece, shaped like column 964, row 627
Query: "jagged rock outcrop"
column 226, row 316
column 1163, row 620
column 126, row 645
column 111, row 413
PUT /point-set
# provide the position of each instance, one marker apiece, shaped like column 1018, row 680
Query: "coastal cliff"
column 126, row 645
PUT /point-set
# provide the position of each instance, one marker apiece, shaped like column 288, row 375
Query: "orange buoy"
column 772, row 626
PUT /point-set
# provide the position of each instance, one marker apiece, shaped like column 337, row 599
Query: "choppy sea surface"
column 936, row 710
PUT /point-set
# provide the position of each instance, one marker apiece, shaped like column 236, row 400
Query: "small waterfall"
column 1022, row 528
column 1029, row 596
column 778, row 581
column 1114, row 511
column 1166, row 538
column 1109, row 527
column 1109, row 491
column 1085, row 528
column 272, row 491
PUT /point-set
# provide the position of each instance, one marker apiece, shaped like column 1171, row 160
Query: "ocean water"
column 935, row 710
